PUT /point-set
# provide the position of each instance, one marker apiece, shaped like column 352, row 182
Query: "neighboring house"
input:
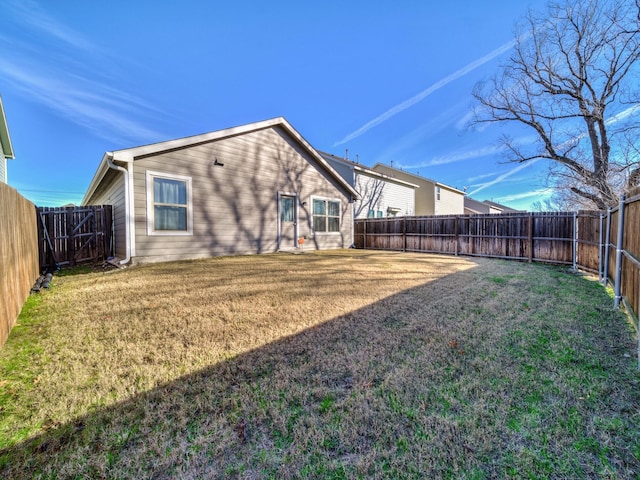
column 6, row 149
column 380, row 195
column 255, row 188
column 432, row 198
column 499, row 208
column 473, row 207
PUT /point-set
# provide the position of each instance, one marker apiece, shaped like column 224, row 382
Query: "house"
column 499, row 208
column 474, row 207
column 380, row 195
column 6, row 149
column 432, row 198
column 255, row 188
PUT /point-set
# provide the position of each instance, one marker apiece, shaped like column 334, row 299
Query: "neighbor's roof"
column 367, row 171
column 420, row 177
column 499, row 206
column 129, row 154
column 476, row 206
column 485, row 206
column 5, row 139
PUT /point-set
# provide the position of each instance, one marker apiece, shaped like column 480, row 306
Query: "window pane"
column 319, row 224
column 334, row 224
column 319, row 207
column 166, row 190
column 371, row 214
column 286, row 209
column 170, row 218
column 380, row 213
column 334, row 209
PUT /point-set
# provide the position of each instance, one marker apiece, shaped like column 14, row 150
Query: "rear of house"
column 256, row 188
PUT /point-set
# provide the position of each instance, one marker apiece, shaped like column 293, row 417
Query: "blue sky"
column 390, row 81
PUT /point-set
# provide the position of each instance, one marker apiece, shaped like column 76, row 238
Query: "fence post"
column 51, row 223
column 530, row 237
column 600, row 252
column 619, row 241
column 71, row 246
column 404, row 234
column 457, row 233
column 364, row 234
column 606, row 249
column 575, row 241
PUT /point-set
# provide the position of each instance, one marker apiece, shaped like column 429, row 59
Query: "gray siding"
column 111, row 192
column 345, row 171
column 235, row 206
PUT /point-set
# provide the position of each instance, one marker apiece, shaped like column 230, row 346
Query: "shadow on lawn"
column 335, row 400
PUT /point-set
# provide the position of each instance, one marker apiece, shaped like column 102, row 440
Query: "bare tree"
column 572, row 83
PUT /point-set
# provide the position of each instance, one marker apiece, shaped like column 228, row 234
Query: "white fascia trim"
column 386, row 178
column 453, row 189
column 5, row 137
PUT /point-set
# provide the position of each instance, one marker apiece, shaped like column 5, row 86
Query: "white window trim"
column 150, row 203
column 341, row 218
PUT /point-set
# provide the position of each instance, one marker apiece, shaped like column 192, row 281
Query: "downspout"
column 353, row 213
column 127, row 229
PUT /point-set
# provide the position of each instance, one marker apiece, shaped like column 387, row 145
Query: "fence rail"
column 72, row 235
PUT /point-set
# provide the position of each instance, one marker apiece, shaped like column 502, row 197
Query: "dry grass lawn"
column 347, row 364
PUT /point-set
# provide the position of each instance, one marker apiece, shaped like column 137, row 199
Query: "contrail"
column 425, row 93
column 503, row 176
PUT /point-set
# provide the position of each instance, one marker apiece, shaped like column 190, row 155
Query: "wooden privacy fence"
column 18, row 255
column 622, row 254
column 72, row 235
column 565, row 238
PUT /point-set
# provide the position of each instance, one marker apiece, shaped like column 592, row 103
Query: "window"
column 326, row 215
column 168, row 204
column 393, row 211
column 371, row 214
column 437, row 193
column 380, row 214
column 286, row 209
